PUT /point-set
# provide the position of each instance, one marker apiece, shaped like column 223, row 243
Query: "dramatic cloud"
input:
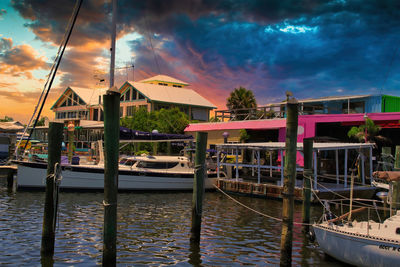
column 19, row 60
column 313, row 48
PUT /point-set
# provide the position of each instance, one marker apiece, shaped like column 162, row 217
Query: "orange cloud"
column 20, row 59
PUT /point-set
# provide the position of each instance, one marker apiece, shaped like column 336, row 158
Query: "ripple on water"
column 153, row 230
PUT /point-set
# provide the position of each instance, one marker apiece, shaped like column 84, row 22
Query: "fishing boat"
column 360, row 243
column 135, row 173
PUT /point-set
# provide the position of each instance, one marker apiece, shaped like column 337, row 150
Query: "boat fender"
column 311, row 235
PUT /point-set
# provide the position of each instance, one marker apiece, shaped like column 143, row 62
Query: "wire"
column 53, row 72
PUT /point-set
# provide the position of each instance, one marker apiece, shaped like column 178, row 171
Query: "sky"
column 311, row 48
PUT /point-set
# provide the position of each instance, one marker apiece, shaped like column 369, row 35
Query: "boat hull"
column 355, row 249
column 32, row 175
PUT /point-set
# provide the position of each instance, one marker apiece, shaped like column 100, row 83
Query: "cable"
column 53, row 71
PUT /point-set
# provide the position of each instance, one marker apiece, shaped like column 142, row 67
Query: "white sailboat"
column 360, row 243
column 135, row 173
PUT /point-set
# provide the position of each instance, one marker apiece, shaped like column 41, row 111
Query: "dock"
column 264, row 176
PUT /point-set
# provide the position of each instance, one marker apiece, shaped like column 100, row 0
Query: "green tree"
column 6, row 119
column 41, row 121
column 367, row 132
column 214, row 119
column 164, row 121
column 241, row 98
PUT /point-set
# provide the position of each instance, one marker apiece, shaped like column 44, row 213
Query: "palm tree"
column 366, row 132
column 241, row 98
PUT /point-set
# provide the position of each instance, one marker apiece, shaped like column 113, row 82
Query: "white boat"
column 365, row 243
column 135, row 173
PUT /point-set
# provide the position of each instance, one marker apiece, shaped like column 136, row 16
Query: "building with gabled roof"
column 76, row 104
column 162, row 91
column 154, row 93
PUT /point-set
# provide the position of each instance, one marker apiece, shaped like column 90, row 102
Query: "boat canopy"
column 126, row 134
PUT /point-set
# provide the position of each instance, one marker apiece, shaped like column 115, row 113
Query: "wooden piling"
column 308, row 159
column 289, row 180
column 111, row 144
column 10, row 178
column 54, row 156
column 395, row 197
column 397, row 158
column 198, row 187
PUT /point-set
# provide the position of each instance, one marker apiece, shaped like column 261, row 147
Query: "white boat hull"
column 357, row 249
column 32, row 175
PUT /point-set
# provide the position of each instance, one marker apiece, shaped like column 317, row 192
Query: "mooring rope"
column 256, row 211
column 56, row 177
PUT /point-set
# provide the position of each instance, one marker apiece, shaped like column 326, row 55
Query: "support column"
column 308, row 158
column 111, row 144
column 198, row 187
column 49, row 216
column 289, row 182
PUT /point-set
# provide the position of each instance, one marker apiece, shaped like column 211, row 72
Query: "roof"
column 282, row 145
column 237, row 125
column 171, row 94
column 163, row 78
column 11, row 126
column 89, row 96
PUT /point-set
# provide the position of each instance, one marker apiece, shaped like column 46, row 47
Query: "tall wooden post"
column 49, row 216
column 71, row 138
column 289, row 180
column 397, row 158
column 307, row 173
column 198, row 186
column 395, row 197
column 111, row 144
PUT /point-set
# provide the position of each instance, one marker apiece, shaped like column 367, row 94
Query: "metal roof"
column 163, row 78
column 282, row 145
column 169, row 94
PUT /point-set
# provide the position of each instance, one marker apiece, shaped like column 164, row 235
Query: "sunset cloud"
column 309, row 47
column 19, row 60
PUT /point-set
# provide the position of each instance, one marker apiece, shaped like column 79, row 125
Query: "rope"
column 256, row 211
column 56, row 177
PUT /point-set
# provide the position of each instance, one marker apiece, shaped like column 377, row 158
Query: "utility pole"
column 307, row 172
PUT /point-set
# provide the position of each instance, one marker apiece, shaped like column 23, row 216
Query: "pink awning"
column 237, row 125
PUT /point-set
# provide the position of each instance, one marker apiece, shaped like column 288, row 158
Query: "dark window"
column 64, row 104
column 101, row 115
column 141, row 96
column 398, row 231
column 134, row 94
column 121, row 112
column 180, row 86
column 69, row 101
column 95, row 114
column 156, row 165
column 128, row 95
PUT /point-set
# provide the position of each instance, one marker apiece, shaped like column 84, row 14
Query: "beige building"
column 155, row 93
column 162, row 91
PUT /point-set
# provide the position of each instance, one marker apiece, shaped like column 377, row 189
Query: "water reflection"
column 153, row 229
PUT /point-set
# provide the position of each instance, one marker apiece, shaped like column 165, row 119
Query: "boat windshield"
column 127, row 162
column 157, row 164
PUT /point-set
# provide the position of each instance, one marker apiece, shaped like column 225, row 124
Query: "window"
column 134, row 94
column 69, row 100
column 156, row 165
column 180, row 86
column 122, row 98
column 101, row 115
column 121, row 112
column 141, row 96
column 355, row 107
column 163, row 84
column 75, row 102
column 95, row 114
column 64, row 104
column 130, row 110
column 128, row 95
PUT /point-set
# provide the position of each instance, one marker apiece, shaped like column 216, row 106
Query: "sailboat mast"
column 113, row 37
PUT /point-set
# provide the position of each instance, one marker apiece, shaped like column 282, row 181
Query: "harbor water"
column 153, row 230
